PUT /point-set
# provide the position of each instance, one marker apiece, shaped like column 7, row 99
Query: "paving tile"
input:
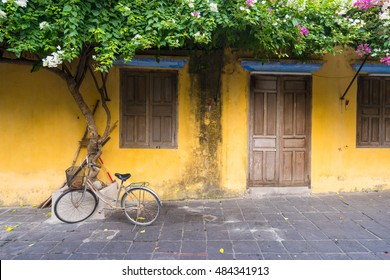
column 241, row 234
column 165, row 246
column 166, row 256
column 376, row 246
column 245, row 256
column 116, row 247
column 66, row 247
column 193, row 247
column 217, row 234
column 324, row 246
column 138, row 256
column 350, row 246
column 276, row 256
column 332, row 256
column 363, row 256
column 225, row 256
column 194, row 235
column 171, row 235
column 298, row 247
column 83, row 256
column 112, row 256
column 306, row 256
column 142, row 247
column 219, row 247
column 42, row 247
column 245, row 247
column 28, row 257
column 271, row 247
column 94, row 247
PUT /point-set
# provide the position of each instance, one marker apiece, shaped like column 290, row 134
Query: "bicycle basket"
column 75, row 177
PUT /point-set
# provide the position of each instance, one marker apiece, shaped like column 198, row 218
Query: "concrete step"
column 277, row 191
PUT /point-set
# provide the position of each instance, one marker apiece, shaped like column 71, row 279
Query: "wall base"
column 277, row 191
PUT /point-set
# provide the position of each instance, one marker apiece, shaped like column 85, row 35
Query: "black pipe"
column 357, row 73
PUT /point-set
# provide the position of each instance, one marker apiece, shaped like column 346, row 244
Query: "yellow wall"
column 235, row 93
column 38, row 134
column 337, row 165
column 41, row 126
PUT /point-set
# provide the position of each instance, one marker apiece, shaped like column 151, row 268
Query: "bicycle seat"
column 123, row 177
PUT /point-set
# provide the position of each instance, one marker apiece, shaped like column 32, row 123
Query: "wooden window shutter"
column 386, row 111
column 134, row 110
column 373, row 113
column 148, row 109
column 163, row 110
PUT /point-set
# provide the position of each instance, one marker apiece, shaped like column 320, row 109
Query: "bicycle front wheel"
column 141, row 205
column 75, row 205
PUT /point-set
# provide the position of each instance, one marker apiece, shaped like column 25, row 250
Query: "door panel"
column 279, row 148
column 264, row 131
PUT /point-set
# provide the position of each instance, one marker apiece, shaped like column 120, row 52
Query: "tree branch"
column 103, row 94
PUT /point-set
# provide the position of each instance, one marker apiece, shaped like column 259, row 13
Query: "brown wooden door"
column 279, row 142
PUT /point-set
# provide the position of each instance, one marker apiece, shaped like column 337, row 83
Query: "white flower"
column 191, row 3
column 2, row 14
column 55, row 59
column 214, row 7
column 4, row 1
column 44, row 25
column 136, row 39
column 21, row 3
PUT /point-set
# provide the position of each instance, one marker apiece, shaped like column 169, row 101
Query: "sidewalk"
column 336, row 226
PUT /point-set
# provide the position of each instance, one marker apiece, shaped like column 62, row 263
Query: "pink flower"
column 386, row 60
column 363, row 49
column 250, row 3
column 304, row 31
column 195, row 14
column 366, row 4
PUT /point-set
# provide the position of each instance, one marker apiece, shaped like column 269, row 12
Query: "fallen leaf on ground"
column 222, row 250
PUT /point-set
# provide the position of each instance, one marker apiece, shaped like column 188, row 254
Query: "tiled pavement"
column 332, row 226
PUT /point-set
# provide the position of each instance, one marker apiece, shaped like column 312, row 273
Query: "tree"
column 73, row 37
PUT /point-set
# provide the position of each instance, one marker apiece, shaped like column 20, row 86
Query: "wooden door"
column 279, row 142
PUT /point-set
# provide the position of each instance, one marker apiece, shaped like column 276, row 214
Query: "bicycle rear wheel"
column 75, row 205
column 141, row 205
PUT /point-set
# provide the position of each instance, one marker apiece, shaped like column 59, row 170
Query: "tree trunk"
column 94, row 147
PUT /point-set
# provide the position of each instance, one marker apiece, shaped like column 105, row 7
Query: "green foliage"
column 58, row 31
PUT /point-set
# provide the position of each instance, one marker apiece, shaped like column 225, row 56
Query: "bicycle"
column 140, row 204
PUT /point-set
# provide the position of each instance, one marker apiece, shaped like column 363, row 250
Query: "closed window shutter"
column 148, row 109
column 386, row 110
column 373, row 113
column 163, row 110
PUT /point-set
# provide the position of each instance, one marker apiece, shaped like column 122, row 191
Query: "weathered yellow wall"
column 337, row 165
column 235, row 92
column 38, row 134
column 42, row 125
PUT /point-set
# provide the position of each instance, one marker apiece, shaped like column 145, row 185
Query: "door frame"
column 278, row 139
